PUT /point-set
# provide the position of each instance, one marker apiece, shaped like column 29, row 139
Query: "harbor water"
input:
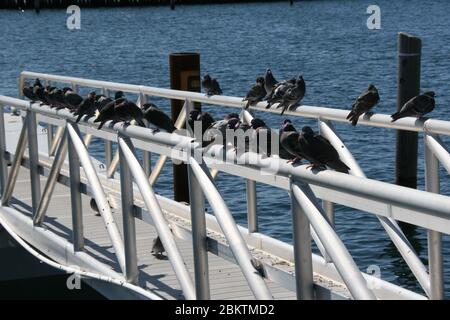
column 327, row 41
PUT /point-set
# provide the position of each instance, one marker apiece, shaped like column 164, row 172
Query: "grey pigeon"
column 211, row 85
column 278, row 91
column 158, row 248
column 319, row 151
column 158, row 118
column 256, row 94
column 269, row 82
column 416, row 107
column 366, row 101
column 219, row 128
column 289, row 143
column 293, row 95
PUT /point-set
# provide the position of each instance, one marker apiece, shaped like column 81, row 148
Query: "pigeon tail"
column 396, row 116
column 101, row 124
column 79, row 117
column 339, row 166
column 353, row 117
column 140, row 123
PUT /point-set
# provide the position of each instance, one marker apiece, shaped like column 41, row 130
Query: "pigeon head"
column 287, row 126
column 233, row 124
column 268, row 71
column 231, row 116
column 260, row 80
column 66, row 89
column 430, row 94
column 371, row 87
column 92, row 95
column 37, row 82
column 118, row 95
column 207, row 77
column 257, row 123
column 307, row 131
column 194, row 114
column 299, row 79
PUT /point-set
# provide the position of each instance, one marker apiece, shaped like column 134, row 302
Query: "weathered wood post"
column 409, row 51
column 184, row 75
column 37, row 5
column 172, row 4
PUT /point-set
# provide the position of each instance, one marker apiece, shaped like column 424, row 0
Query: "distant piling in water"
column 60, row 4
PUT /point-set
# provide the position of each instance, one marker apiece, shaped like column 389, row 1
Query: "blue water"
column 327, row 41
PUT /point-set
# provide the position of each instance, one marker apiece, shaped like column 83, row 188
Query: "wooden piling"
column 409, row 51
column 37, row 6
column 184, row 75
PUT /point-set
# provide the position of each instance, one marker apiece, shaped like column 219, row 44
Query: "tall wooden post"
column 409, row 51
column 184, row 75
column 37, row 5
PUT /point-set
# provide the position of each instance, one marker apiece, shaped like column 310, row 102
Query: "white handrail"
column 376, row 120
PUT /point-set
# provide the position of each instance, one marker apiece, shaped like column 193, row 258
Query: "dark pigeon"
column 319, row 151
column 366, row 101
column 86, row 107
column 128, row 111
column 158, row 249
column 28, row 92
column 204, row 117
column 289, row 143
column 158, row 118
column 256, row 94
column 416, row 107
column 261, row 137
column 107, row 112
column 72, row 99
column 293, row 95
column 269, row 82
column 211, row 86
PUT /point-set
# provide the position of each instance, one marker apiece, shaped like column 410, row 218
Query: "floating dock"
column 48, row 178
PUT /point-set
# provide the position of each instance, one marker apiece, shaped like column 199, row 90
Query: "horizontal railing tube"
column 99, row 195
column 343, row 261
column 229, row 228
column 159, row 220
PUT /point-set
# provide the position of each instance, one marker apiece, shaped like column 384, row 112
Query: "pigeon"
column 107, row 112
column 101, row 101
column 293, row 95
column 319, row 151
column 278, row 91
column 366, row 101
column 86, row 107
column 219, row 128
column 29, row 91
column 289, row 143
column 158, row 118
column 72, row 99
column 158, row 249
column 211, row 86
column 204, row 118
column 256, row 94
column 261, row 136
column 127, row 111
column 56, row 97
column 269, row 82
column 416, row 107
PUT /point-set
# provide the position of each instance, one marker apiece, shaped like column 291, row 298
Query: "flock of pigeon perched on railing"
column 293, row 145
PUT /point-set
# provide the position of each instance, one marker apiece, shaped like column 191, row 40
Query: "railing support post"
column 129, row 227
column 3, row 163
column 199, row 244
column 252, row 210
column 33, row 155
column 75, row 196
column 302, row 252
column 328, row 208
column 435, row 264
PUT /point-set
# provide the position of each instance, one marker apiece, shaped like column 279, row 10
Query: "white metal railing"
column 388, row 202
